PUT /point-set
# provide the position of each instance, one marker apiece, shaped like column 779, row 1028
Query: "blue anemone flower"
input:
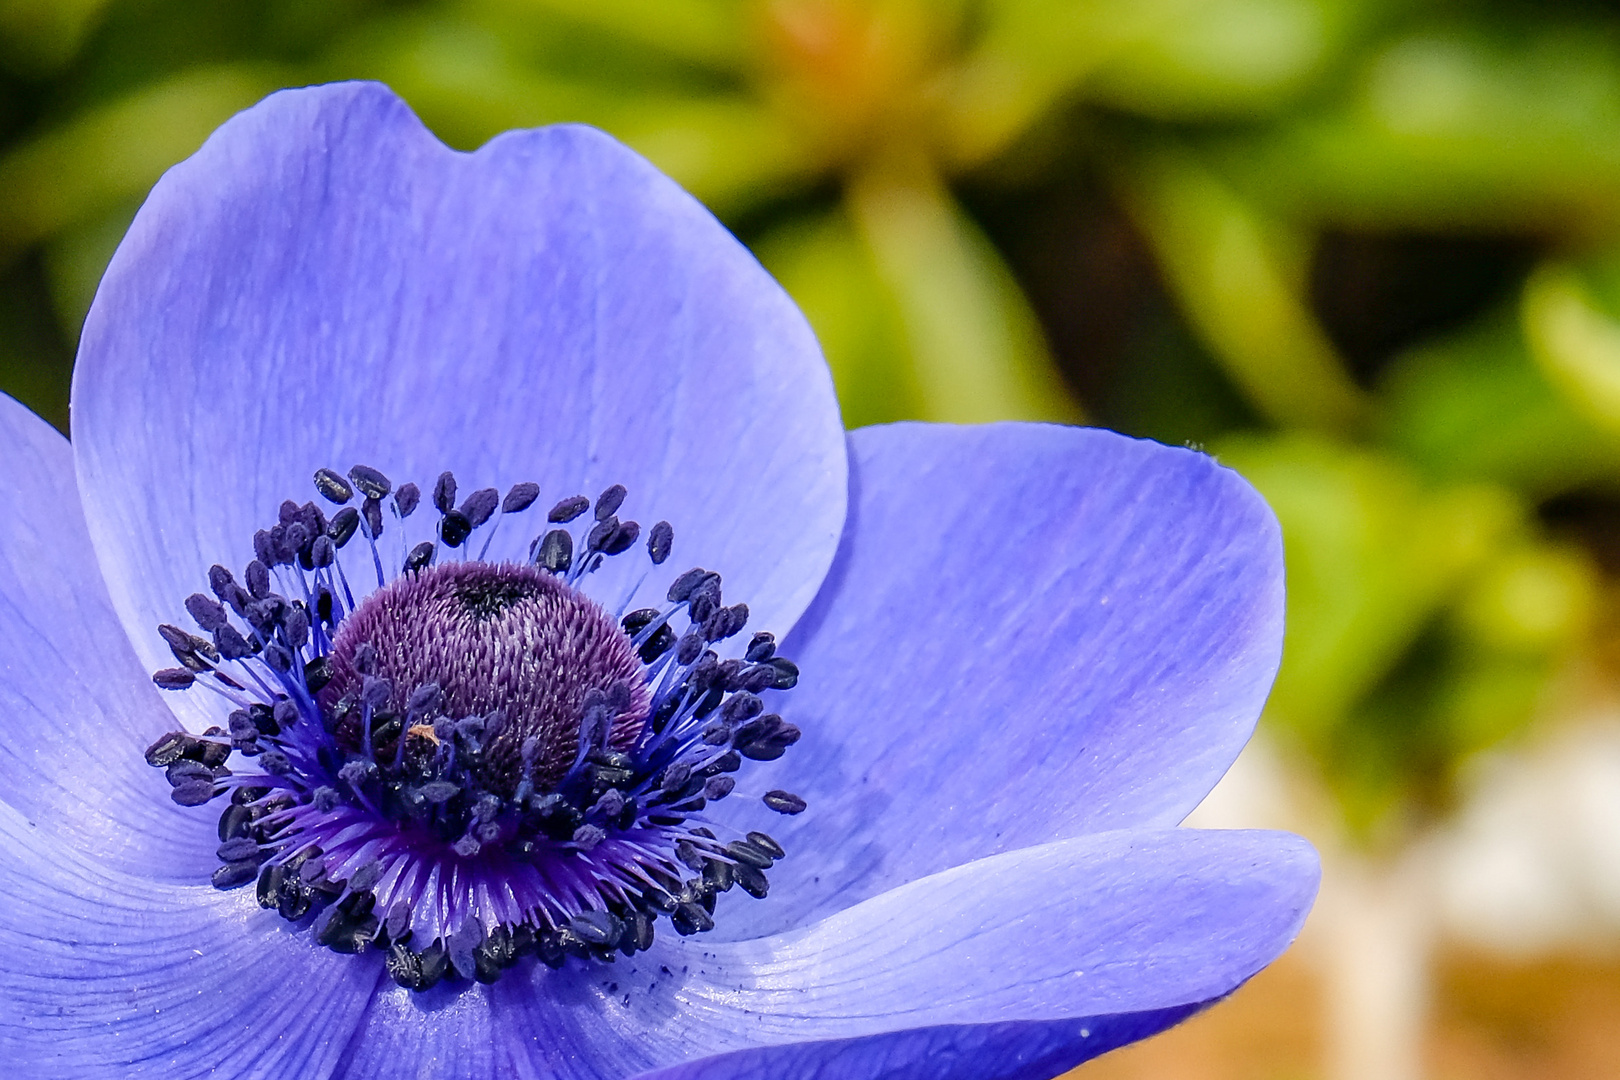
column 865, row 759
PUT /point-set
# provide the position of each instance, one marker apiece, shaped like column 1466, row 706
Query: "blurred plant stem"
column 1376, row 927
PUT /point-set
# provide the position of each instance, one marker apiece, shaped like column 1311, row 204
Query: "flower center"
column 474, row 761
column 510, row 644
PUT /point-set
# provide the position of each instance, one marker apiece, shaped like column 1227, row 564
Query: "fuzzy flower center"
column 512, row 644
column 473, row 760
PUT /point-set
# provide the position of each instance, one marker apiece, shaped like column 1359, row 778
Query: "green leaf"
column 1030, row 53
column 976, row 348
column 709, row 32
column 1225, row 58
column 1239, row 278
column 1457, row 127
column 1372, row 555
column 830, row 273
column 1474, row 405
column 38, row 36
column 114, row 153
column 1575, row 343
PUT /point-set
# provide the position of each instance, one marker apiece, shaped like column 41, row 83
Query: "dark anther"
column 638, row 932
column 717, row 875
column 766, row 843
column 569, row 509
column 406, row 498
column 444, row 493
column 718, row 787
column 705, row 599
column 520, row 498
column 372, row 484
column 209, row 614
column 730, row 761
column 756, row 678
column 740, row 707
column 461, row 944
column 784, row 802
column 296, row 625
column 169, row 749
column 317, row 673
column 399, row 921
column 601, row 533
column 597, row 928
column 278, row 657
column 321, row 552
column 173, row 678
column 478, row 506
column 746, row 853
column 225, row 587
column 333, row 487
column 657, row 645
column 556, row 551
column 622, row 538
column 761, row 647
column 638, row 620
column 343, row 526
column 690, row 647
column 420, row 556
column 234, row 822
column 193, row 792
column 608, row 503
column 659, row 542
column 236, row 849
column 371, row 509
column 752, row 881
column 683, row 586
column 192, row 651
column 724, row 622
column 435, row 966
column 492, row 955
column 766, row 738
column 787, row 673
column 454, row 528
column 264, row 549
column 405, row 967
column 236, row 874
column 258, row 579
column 689, row 919
column 323, row 605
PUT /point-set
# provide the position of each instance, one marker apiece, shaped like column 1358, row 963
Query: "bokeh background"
column 1365, row 251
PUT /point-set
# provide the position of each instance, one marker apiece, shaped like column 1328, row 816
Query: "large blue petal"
column 324, row 283
column 1030, row 632
column 1018, row 1051
column 109, row 976
column 76, row 707
column 1100, row 926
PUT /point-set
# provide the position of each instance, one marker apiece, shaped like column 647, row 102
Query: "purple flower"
column 460, row 796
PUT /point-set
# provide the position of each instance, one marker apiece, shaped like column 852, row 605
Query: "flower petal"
column 325, row 284
column 1030, row 632
column 76, row 707
column 1016, row 1051
column 111, row 976
column 1100, row 926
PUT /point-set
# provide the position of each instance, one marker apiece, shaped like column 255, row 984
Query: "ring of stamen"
column 472, row 761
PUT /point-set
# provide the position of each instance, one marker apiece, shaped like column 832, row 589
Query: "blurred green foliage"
column 1233, row 222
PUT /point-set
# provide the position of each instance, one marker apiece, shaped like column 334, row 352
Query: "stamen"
column 474, row 763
